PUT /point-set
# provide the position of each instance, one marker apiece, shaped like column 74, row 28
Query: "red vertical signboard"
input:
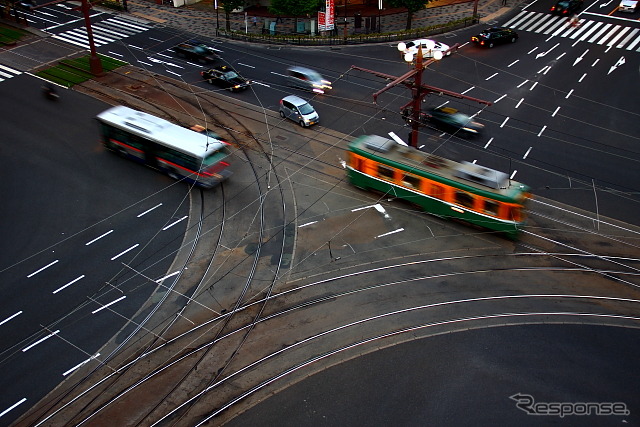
column 326, row 18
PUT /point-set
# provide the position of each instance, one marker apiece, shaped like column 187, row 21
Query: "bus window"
column 385, row 172
column 491, row 207
column 464, row 199
column 411, row 181
column 437, row 191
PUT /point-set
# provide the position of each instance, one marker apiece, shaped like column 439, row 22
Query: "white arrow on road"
column 606, row 4
column 619, row 63
column 541, row 54
column 580, row 58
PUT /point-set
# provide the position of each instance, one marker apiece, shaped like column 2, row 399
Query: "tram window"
column 491, row 207
column 411, row 181
column 464, row 199
column 385, row 172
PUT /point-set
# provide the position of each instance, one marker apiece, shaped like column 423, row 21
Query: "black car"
column 566, row 7
column 196, row 52
column 452, row 121
column 225, row 77
column 495, row 35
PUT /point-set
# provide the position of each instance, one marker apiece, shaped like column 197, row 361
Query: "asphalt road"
column 468, row 379
column 588, row 142
column 563, row 117
column 74, row 238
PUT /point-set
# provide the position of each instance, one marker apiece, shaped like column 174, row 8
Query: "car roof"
column 295, row 100
column 309, row 72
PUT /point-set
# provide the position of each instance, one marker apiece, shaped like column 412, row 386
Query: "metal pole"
column 417, row 98
column 217, row 19
column 94, row 60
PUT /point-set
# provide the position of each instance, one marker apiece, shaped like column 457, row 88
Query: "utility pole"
column 94, row 60
column 95, row 65
column 413, row 80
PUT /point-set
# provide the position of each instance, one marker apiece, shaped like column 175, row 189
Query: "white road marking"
column 80, row 364
column 43, row 268
column 11, row 317
column 19, row 402
column 125, row 251
column 149, row 210
column 98, row 238
column 308, row 223
column 108, row 305
column 68, row 284
column 542, row 130
column 391, row 232
column 41, row 340
column 175, row 222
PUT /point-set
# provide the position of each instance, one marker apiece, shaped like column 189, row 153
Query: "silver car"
column 297, row 109
column 307, row 79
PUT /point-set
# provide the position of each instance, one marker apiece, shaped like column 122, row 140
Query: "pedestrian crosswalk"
column 104, row 32
column 589, row 31
column 7, row 72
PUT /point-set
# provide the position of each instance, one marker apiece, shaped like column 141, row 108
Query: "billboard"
column 326, row 19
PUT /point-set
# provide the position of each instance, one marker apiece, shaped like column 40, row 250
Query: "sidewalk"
column 201, row 18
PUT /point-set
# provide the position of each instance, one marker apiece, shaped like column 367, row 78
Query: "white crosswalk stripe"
column 8, row 72
column 104, row 32
column 617, row 35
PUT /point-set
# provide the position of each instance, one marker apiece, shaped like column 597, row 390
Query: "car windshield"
column 201, row 49
column 305, row 108
column 563, row 4
column 460, row 118
column 230, row 75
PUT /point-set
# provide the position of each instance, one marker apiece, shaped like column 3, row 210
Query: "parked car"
column 628, row 6
column 307, row 79
column 566, row 7
column 297, row 109
column 196, row 52
column 495, row 35
column 428, row 48
column 452, row 121
column 225, row 77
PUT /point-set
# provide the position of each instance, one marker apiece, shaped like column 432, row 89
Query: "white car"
column 628, row 6
column 429, row 47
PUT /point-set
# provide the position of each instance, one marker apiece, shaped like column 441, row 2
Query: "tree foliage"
column 228, row 6
column 293, row 7
column 412, row 7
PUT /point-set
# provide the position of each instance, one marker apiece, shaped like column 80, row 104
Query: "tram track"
column 227, row 319
column 310, row 303
column 296, row 306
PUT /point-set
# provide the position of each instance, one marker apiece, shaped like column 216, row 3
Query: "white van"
column 300, row 111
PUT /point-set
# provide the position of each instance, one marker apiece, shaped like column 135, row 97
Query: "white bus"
column 198, row 158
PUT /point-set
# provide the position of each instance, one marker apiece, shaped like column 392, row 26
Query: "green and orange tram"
column 466, row 191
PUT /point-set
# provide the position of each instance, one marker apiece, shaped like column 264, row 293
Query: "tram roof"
column 161, row 131
column 421, row 163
